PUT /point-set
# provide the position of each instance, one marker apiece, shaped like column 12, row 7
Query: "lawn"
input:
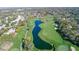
column 29, row 36
column 49, row 34
column 17, row 41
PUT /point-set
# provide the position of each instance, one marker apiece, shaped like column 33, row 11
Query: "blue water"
column 38, row 42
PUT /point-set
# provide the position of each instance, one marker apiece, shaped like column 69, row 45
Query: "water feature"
column 38, row 42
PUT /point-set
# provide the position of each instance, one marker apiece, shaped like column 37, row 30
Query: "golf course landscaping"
column 48, row 34
column 39, row 29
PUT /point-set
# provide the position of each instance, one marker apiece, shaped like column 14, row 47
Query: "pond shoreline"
column 38, row 43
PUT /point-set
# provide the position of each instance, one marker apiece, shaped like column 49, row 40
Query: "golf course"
column 39, row 29
column 47, row 34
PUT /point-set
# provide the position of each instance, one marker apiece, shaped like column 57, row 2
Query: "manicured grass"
column 18, row 39
column 31, row 24
column 49, row 34
column 70, row 44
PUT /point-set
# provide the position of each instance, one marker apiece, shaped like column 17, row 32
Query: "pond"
column 38, row 42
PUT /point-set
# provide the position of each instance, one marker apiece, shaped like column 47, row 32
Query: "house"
column 6, row 19
column 10, row 31
column 16, row 21
column 2, row 26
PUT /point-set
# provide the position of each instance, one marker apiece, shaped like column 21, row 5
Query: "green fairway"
column 39, row 29
column 17, row 41
column 29, row 37
column 49, row 34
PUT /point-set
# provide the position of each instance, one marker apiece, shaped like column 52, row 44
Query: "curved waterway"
column 38, row 43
